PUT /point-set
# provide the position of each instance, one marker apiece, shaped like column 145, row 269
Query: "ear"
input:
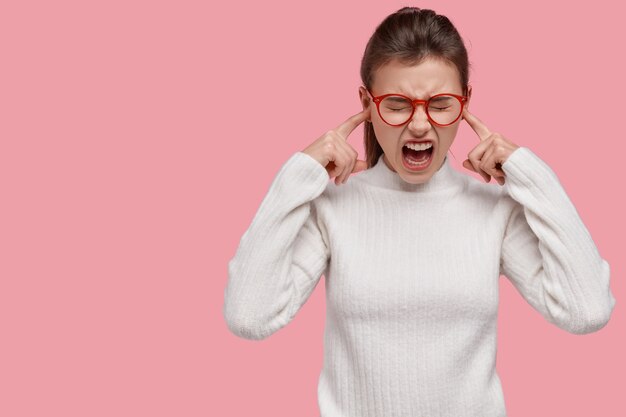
column 469, row 95
column 365, row 99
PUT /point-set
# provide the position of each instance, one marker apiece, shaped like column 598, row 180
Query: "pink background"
column 126, row 190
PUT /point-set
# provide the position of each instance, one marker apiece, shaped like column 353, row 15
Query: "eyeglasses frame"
column 415, row 102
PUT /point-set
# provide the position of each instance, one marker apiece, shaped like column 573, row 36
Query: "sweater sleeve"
column 547, row 252
column 281, row 256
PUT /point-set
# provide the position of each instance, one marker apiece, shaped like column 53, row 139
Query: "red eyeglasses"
column 397, row 109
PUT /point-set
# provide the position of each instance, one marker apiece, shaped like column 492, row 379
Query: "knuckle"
column 329, row 146
column 328, row 137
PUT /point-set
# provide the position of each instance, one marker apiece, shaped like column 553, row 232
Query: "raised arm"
column 547, row 252
column 281, row 256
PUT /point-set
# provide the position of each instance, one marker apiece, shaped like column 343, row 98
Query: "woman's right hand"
column 333, row 151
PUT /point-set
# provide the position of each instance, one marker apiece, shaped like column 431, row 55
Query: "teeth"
column 419, row 146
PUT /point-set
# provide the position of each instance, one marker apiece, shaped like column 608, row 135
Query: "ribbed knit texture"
column 411, row 275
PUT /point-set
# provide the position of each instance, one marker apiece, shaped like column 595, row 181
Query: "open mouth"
column 417, row 155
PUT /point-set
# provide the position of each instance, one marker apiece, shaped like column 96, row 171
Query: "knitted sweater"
column 411, row 275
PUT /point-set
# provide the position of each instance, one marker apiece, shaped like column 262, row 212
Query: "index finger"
column 349, row 125
column 479, row 127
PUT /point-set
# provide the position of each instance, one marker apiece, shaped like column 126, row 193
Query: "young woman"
column 412, row 250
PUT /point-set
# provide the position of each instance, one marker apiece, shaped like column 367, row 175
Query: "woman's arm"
column 281, row 256
column 547, row 252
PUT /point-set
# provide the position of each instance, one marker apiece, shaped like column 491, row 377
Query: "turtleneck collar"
column 382, row 176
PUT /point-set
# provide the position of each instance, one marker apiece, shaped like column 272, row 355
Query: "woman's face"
column 418, row 82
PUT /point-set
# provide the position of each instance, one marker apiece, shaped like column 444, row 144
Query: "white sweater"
column 411, row 275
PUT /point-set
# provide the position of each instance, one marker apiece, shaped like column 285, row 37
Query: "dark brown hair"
column 410, row 36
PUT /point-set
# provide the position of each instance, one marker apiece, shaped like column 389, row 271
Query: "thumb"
column 467, row 164
column 359, row 166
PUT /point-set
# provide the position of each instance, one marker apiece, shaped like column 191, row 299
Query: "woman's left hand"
column 488, row 156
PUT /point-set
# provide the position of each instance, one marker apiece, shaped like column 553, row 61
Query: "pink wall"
column 126, row 189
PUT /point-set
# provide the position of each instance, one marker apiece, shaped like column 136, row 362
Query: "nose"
column 420, row 122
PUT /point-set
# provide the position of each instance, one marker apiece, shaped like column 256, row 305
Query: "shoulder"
column 486, row 192
column 491, row 197
column 337, row 194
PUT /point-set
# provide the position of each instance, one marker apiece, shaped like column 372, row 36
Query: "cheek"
column 447, row 139
column 448, row 135
column 387, row 140
column 383, row 134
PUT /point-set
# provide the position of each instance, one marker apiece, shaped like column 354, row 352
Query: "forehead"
column 417, row 81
